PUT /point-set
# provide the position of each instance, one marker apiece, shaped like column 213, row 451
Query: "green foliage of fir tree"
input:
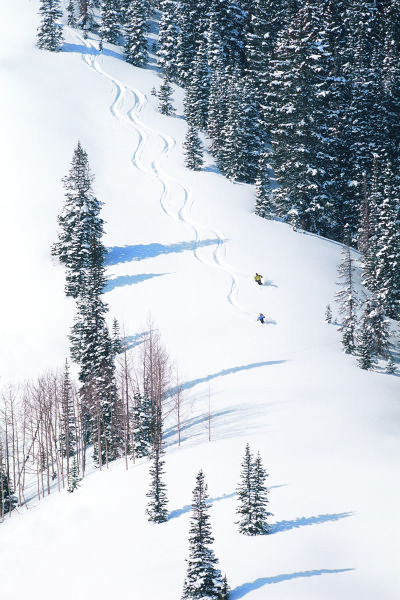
column 49, row 33
column 136, row 28
column 165, row 98
column 110, row 29
column 193, row 149
column 157, row 506
column 8, row 501
column 203, row 579
column 347, row 299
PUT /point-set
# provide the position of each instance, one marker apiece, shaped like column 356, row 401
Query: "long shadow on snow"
column 244, row 589
column 305, row 521
column 267, row 363
column 130, row 280
column 79, row 49
column 181, row 511
column 121, row 254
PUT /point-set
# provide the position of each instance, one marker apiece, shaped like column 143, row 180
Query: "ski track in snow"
column 126, row 106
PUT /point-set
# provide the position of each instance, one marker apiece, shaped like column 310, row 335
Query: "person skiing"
column 257, row 278
column 261, row 318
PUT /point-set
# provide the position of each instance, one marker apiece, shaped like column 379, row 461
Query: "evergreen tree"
column 348, row 300
column 193, row 149
column 142, row 425
column 391, row 366
column 203, row 579
column 71, row 14
column 86, row 19
column 168, row 32
column 68, row 429
column 198, row 90
column 245, row 494
column 7, row 499
column 73, row 476
column 136, row 52
column 264, row 206
column 193, row 24
column 380, row 328
column 240, row 154
column 296, row 104
column 80, row 224
column 117, row 345
column 388, row 262
column 260, row 499
column 49, row 33
column 157, row 505
column 365, row 342
column 110, row 21
column 252, row 496
column 165, row 98
column 328, row 314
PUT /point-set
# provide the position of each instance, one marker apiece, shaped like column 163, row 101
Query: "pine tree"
column 68, row 429
column 73, row 476
column 165, row 98
column 7, row 499
column 245, row 494
column 264, row 206
column 193, row 149
column 391, row 368
column 110, row 21
column 387, row 279
column 80, row 224
column 49, row 33
column 348, row 300
column 136, row 51
column 260, row 499
column 71, row 21
column 168, row 32
column 86, row 19
column 142, row 425
column 198, row 90
column 328, row 314
column 365, row 341
column 203, row 580
column 117, row 344
column 252, row 496
column 157, row 505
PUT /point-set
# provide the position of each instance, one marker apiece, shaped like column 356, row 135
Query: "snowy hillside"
column 184, row 248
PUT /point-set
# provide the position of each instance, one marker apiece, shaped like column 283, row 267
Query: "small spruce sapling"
column 157, row 506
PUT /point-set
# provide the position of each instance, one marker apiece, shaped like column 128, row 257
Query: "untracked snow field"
column 183, row 250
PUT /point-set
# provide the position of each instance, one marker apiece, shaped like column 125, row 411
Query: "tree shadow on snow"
column 244, row 589
column 231, row 371
column 187, row 508
column 130, row 280
column 305, row 521
column 120, row 254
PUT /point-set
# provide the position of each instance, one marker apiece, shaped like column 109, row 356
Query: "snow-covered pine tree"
column 86, row 19
column 245, row 494
column 73, row 476
column 368, row 230
column 387, row 276
column 365, row 341
column 165, row 98
column 7, row 499
column 264, row 206
column 71, row 19
column 157, row 506
column 68, row 426
column 260, row 498
column 117, row 344
column 168, row 32
column 347, row 299
column 110, row 29
column 136, row 51
column 328, row 314
column 380, row 327
column 79, row 224
column 142, row 425
column 296, row 105
column 203, row 580
column 193, row 149
column 192, row 23
column 198, row 90
column 49, row 33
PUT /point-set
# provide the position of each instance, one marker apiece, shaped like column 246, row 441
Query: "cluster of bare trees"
column 45, row 433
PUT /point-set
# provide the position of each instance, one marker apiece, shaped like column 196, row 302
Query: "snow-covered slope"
column 184, row 248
